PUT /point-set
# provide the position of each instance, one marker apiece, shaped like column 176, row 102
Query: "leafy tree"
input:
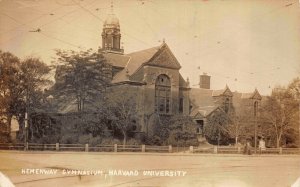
column 279, row 113
column 44, row 128
column 9, row 92
column 21, row 83
column 122, row 111
column 241, row 126
column 216, row 130
column 294, row 88
column 86, row 75
column 182, row 131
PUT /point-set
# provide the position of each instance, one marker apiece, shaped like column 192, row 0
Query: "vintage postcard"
column 156, row 93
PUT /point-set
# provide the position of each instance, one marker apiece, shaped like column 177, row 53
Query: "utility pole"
column 255, row 125
column 299, row 124
column 255, row 134
column 26, row 120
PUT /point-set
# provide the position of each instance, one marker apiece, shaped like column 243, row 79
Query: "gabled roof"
column 116, row 59
column 164, row 58
column 241, row 99
column 203, row 100
column 160, row 56
column 136, row 60
column 226, row 91
column 253, row 95
column 204, row 111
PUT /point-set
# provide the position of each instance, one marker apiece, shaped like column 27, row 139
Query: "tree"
column 279, row 113
column 21, row 83
column 86, row 75
column 9, row 92
column 216, row 130
column 294, row 88
column 123, row 110
column 182, row 131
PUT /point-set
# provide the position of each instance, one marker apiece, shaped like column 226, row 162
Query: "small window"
column 226, row 107
column 255, row 108
column 181, row 105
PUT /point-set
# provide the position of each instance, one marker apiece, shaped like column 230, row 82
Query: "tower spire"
column 111, row 36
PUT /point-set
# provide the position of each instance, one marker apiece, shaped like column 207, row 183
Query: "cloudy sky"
column 245, row 44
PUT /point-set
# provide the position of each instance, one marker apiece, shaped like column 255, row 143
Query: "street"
column 135, row 169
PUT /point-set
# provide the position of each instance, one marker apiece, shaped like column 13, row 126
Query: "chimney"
column 204, row 81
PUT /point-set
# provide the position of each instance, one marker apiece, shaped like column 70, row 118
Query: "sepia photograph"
column 150, row 93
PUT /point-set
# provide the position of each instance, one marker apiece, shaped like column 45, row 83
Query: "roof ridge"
column 158, row 47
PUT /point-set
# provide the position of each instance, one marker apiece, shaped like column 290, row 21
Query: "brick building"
column 153, row 77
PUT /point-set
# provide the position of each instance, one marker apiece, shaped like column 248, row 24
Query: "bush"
column 153, row 140
column 93, row 141
column 110, row 141
column 4, row 137
column 133, row 141
column 69, row 139
column 292, row 145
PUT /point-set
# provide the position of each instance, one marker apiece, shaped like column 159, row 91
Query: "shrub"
column 153, row 140
column 110, row 141
column 133, row 141
column 292, row 145
column 69, row 139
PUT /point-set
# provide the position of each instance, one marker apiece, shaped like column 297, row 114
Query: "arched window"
column 226, row 105
column 162, row 94
column 255, row 108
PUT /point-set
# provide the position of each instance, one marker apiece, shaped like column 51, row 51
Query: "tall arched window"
column 162, row 94
column 226, row 105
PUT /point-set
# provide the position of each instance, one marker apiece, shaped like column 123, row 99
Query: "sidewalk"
column 150, row 153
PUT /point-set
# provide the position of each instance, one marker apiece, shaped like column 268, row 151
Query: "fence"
column 142, row 148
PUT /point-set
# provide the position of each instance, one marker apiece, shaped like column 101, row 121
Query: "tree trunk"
column 9, row 117
column 277, row 142
column 21, row 133
column 125, row 139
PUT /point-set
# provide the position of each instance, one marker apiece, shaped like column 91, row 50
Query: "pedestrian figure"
column 248, row 148
column 245, row 149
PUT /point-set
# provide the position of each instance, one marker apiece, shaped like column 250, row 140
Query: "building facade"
column 152, row 74
column 152, row 77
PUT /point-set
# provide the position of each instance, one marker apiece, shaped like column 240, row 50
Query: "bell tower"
column 111, row 36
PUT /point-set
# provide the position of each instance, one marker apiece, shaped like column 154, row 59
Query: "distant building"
column 204, row 102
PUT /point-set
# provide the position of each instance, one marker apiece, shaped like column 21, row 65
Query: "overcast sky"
column 244, row 44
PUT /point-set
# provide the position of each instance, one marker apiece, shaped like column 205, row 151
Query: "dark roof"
column 136, row 59
column 224, row 91
column 201, row 97
column 117, row 59
column 203, row 102
column 203, row 111
column 133, row 62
